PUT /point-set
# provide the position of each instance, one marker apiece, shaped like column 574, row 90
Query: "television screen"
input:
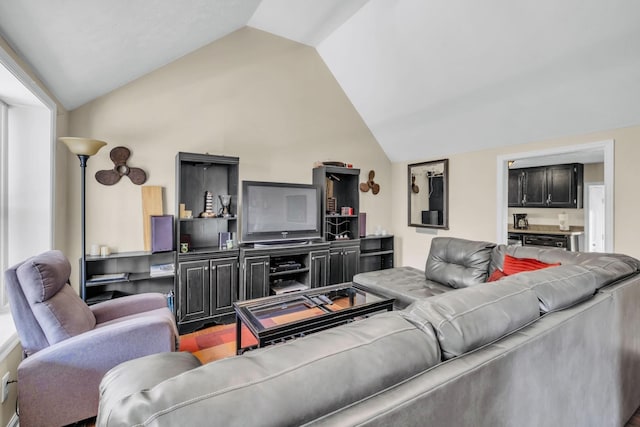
column 279, row 211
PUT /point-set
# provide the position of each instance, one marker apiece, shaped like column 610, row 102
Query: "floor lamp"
column 83, row 148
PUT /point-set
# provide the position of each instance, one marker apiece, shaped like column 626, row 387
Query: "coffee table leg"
column 238, row 335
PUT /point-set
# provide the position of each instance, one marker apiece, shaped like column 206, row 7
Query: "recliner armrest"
column 75, row 367
column 125, row 306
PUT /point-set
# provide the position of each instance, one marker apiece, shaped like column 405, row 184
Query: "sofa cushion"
column 458, row 263
column 469, row 318
column 406, row 284
column 557, row 288
column 288, row 384
column 613, row 266
column 60, row 312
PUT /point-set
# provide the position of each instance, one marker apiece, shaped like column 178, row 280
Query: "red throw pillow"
column 496, row 275
column 513, row 265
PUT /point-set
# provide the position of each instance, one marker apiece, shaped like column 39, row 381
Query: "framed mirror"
column 429, row 194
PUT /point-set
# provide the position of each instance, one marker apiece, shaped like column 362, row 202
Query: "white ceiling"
column 429, row 77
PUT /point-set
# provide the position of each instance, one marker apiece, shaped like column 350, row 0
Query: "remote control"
column 317, row 300
column 325, row 299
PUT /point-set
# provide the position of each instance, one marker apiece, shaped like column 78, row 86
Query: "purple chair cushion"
column 44, row 274
column 59, row 311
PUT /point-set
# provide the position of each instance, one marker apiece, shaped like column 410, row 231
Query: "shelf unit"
column 339, row 188
column 195, row 175
column 310, row 267
column 207, row 281
column 135, row 266
column 376, row 253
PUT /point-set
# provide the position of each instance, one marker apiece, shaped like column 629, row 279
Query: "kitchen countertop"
column 547, row 229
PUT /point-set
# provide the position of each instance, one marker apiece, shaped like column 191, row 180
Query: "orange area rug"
column 218, row 342
column 215, row 342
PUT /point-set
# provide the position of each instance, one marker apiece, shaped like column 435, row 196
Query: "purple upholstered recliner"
column 69, row 346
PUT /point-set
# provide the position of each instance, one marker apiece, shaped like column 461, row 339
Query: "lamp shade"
column 82, row 146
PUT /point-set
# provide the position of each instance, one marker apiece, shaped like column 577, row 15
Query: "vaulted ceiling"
column 428, row 77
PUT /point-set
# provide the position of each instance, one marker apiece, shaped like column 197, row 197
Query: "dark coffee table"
column 281, row 317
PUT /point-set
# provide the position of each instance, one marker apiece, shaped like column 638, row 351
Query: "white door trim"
column 587, row 201
column 502, row 176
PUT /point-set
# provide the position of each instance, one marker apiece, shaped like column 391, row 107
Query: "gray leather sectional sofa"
column 557, row 346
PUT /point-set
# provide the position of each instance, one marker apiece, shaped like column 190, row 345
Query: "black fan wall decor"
column 120, row 155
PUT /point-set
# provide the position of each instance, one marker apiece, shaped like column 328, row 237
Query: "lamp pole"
column 83, row 148
column 83, row 264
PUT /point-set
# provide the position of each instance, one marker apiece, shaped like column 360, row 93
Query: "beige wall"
column 473, row 198
column 593, row 172
column 268, row 100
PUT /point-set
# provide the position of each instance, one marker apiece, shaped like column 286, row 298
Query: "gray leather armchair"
column 69, row 346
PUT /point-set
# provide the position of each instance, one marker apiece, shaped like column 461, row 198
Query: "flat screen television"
column 277, row 212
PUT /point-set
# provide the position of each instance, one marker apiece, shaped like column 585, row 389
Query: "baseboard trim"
column 8, row 345
column 13, row 422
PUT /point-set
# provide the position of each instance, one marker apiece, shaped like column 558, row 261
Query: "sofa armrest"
column 140, row 374
column 66, row 375
column 125, row 306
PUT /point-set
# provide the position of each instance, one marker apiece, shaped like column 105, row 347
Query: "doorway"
column 568, row 154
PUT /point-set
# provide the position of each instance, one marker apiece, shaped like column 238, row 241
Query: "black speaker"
column 362, row 219
column 161, row 233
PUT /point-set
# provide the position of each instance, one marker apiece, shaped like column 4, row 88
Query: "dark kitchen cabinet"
column 564, row 186
column 515, row 187
column 557, row 186
column 534, row 187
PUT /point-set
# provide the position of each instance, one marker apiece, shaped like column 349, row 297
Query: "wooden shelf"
column 220, row 218
column 135, row 265
column 288, row 272
column 376, row 253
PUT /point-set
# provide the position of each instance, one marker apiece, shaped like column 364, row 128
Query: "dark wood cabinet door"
column 344, row 263
column 515, row 188
column 335, row 266
column 351, row 262
column 256, row 277
column 563, row 184
column 534, row 187
column 194, row 291
column 319, row 268
column 223, row 283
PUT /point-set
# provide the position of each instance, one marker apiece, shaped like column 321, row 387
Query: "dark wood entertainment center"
column 210, row 277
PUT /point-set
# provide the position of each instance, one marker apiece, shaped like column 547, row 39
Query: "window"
column 27, row 137
column 4, row 223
